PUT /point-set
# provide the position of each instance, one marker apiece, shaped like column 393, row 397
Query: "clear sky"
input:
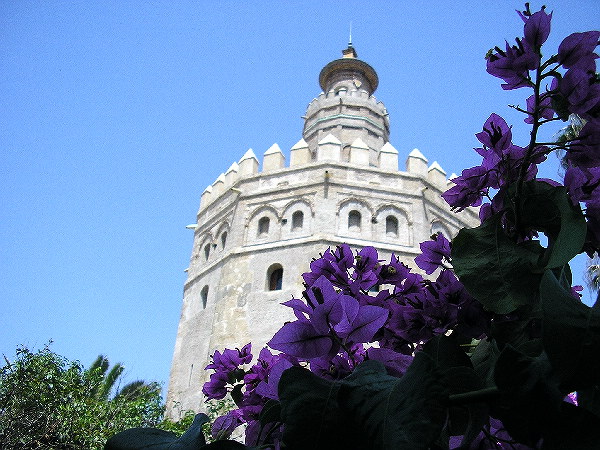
column 115, row 115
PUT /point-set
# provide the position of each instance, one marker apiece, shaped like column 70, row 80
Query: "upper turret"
column 346, row 108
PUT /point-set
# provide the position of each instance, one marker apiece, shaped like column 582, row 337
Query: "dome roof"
column 349, row 66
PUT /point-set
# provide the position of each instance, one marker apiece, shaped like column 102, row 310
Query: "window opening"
column 204, row 296
column 206, row 251
column 297, row 220
column 263, row 226
column 223, row 239
column 391, row 226
column 275, row 277
column 354, row 220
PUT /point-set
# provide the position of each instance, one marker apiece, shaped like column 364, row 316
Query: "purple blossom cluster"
column 565, row 84
column 354, row 308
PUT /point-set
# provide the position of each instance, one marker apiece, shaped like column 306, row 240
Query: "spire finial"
column 350, row 37
column 349, row 52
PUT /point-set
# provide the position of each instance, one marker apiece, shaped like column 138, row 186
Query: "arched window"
column 263, row 226
column 204, row 296
column 391, row 226
column 297, row 220
column 341, row 91
column 354, row 220
column 206, row 251
column 275, row 277
column 223, row 239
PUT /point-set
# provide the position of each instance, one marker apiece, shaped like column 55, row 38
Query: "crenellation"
column 248, row 164
column 388, row 158
column 218, row 187
column 273, row 159
column 231, row 176
column 417, row 163
column 436, row 175
column 359, row 152
column 329, row 149
column 300, row 154
column 206, row 197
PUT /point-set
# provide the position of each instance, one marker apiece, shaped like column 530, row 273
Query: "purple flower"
column 268, row 388
column 334, row 266
column 216, row 387
column 331, row 369
column 334, row 317
column 513, row 64
column 395, row 363
column 496, row 134
column 300, row 339
column 433, row 253
column 583, row 184
column 537, row 27
column 223, row 426
column 582, row 93
column 231, row 359
column 577, row 46
column 585, row 150
column 468, row 189
column 544, row 107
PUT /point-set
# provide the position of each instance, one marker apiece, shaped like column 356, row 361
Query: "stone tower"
column 257, row 230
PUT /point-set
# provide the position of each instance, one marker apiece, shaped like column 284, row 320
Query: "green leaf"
column 571, row 335
column 271, row 412
column 368, row 409
column 549, row 209
column 458, row 376
column 407, row 412
column 311, row 413
column 484, row 359
column 530, row 395
column 590, row 399
column 495, row 270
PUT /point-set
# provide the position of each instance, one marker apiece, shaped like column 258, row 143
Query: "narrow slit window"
column 391, row 226
column 297, row 220
column 206, row 251
column 354, row 220
column 263, row 226
column 275, row 277
column 204, row 296
column 223, row 239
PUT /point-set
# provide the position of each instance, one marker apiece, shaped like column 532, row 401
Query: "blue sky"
column 115, row 115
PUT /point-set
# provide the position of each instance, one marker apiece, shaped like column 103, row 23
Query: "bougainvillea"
column 381, row 357
column 486, row 354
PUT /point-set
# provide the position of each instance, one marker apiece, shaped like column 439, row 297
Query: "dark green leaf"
column 484, row 359
column 549, row 209
column 407, row 412
column 236, row 394
column 271, row 412
column 571, row 334
column 226, row 445
column 530, row 395
column 574, row 429
column 446, row 353
column 494, row 269
column 590, row 399
column 311, row 413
